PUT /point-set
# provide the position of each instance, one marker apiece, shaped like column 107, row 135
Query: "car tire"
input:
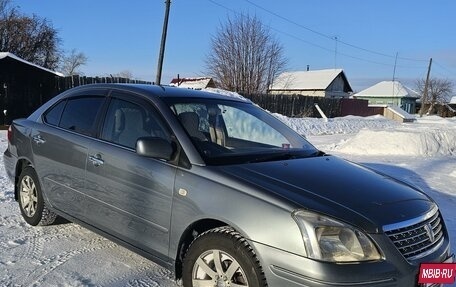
column 211, row 257
column 31, row 201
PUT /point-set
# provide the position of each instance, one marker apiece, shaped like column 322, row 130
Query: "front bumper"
column 285, row 269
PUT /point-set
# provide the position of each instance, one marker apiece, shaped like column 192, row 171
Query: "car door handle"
column 96, row 160
column 38, row 139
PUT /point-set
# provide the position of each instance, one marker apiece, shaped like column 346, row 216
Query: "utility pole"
column 162, row 45
column 335, row 53
column 426, row 87
column 395, row 63
column 394, row 72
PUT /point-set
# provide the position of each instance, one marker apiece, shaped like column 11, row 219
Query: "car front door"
column 130, row 196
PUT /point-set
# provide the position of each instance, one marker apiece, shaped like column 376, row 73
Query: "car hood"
column 338, row 188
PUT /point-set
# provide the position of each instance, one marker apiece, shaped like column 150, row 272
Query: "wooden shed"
column 24, row 87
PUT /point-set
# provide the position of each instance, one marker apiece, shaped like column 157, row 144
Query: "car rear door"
column 130, row 196
column 60, row 148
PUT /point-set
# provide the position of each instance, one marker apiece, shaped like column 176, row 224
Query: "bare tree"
column 72, row 62
column 32, row 38
column 123, row 74
column 245, row 56
column 439, row 92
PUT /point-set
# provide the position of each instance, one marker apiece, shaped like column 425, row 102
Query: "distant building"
column 193, row 83
column 452, row 104
column 453, row 100
column 391, row 93
column 330, row 83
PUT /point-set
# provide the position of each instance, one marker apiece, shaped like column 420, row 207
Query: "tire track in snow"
column 144, row 273
column 48, row 265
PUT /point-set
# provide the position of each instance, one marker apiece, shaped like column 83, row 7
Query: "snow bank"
column 429, row 136
column 404, row 142
column 436, row 120
column 376, row 135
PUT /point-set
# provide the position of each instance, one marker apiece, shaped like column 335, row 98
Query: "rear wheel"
column 222, row 257
column 31, row 201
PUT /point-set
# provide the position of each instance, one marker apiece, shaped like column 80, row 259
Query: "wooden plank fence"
column 297, row 105
column 22, row 95
column 65, row 83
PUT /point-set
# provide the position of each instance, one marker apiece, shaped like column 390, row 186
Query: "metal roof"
column 307, row 80
column 12, row 56
column 388, row 89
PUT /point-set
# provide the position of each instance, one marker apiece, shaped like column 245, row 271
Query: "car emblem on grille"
column 430, row 232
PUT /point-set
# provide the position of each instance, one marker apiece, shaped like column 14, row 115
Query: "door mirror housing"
column 155, row 147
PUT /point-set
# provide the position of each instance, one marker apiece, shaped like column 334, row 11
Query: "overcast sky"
column 125, row 35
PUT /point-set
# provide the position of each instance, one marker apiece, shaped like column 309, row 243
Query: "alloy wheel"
column 219, row 269
column 28, row 196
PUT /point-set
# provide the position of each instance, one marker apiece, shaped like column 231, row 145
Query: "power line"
column 329, row 37
column 446, row 69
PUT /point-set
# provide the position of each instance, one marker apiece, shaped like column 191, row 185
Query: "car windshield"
column 230, row 132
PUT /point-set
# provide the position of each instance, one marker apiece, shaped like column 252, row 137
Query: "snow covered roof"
column 307, row 80
column 388, row 89
column 453, row 100
column 12, row 56
column 193, row 83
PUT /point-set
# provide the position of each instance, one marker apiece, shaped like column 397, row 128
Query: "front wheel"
column 222, row 257
column 31, row 201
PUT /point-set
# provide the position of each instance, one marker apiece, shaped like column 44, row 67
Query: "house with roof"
column 390, row 93
column 329, row 83
column 452, row 104
column 453, row 101
column 193, row 83
column 24, row 86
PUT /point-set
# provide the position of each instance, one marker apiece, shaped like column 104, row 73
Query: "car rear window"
column 80, row 114
column 53, row 115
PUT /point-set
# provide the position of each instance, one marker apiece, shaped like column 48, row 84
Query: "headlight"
column 330, row 240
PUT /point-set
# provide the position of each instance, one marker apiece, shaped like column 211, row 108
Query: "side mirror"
column 155, row 148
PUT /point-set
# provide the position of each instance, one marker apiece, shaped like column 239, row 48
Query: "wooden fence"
column 304, row 106
column 65, row 83
column 22, row 94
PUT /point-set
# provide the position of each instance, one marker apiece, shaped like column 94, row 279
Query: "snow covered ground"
column 422, row 153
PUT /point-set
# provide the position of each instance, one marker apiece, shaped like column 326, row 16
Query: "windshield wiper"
column 284, row 156
column 274, row 157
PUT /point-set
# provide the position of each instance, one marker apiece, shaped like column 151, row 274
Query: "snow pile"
column 376, row 135
column 405, row 142
column 429, row 136
column 436, row 120
column 343, row 125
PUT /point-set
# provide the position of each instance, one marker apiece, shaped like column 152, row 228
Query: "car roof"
column 166, row 91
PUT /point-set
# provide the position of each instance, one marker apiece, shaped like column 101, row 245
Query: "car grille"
column 420, row 239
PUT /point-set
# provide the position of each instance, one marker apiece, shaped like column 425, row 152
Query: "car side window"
column 126, row 121
column 53, row 115
column 80, row 114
